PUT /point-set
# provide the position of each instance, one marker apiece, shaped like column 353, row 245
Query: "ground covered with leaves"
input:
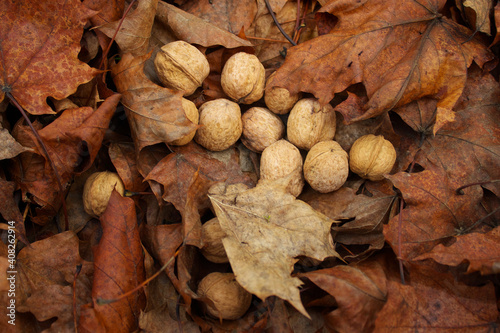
column 417, row 251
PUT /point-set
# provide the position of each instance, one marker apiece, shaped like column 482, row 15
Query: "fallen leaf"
column 476, row 14
column 40, row 56
column 360, row 292
column 10, row 210
column 225, row 14
column 10, row 147
column 118, row 268
column 435, row 301
column 135, row 30
column 186, row 177
column 108, row 10
column 198, row 31
column 266, row 229
column 122, row 155
column 497, row 24
column 72, row 141
column 155, row 114
column 399, row 55
column 46, row 269
column 480, row 250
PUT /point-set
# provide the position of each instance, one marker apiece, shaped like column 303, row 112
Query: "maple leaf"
column 400, row 50
column 186, row 177
column 72, row 140
column 40, row 42
column 118, row 268
column 436, row 301
column 155, row 114
column 481, row 250
column 46, row 272
column 266, row 229
column 360, row 292
column 135, row 30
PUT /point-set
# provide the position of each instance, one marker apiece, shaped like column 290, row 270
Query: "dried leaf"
column 40, row 56
column 266, row 229
column 435, row 301
column 400, row 55
column 118, row 268
column 155, row 114
column 108, row 10
column 479, row 249
column 123, row 157
column 10, row 147
column 135, row 30
column 477, row 14
column 198, row 31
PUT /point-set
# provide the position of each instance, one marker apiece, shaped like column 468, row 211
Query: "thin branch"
column 278, row 24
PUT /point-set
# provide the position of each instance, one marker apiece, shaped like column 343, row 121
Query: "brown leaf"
column 360, row 291
column 10, row 210
column 434, row 301
column 480, row 250
column 476, row 14
column 497, row 24
column 118, row 268
column 73, row 141
column 399, row 55
column 122, row 155
column 364, row 216
column 40, row 56
column 266, row 229
column 198, row 31
column 135, row 30
column 108, row 10
column 45, row 274
column 155, row 114
column 10, row 147
column 186, row 177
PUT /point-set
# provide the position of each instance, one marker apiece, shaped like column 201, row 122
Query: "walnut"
column 281, row 160
column 261, row 128
column 193, row 115
column 243, row 78
column 211, row 235
column 279, row 100
column 97, row 191
column 326, row 166
column 181, row 66
column 310, row 123
column 220, row 124
column 372, row 157
column 223, row 297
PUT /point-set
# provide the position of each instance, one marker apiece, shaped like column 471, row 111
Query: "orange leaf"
column 40, row 41
column 118, row 268
column 400, row 55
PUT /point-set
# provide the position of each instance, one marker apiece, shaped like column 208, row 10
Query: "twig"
column 278, row 24
column 75, row 321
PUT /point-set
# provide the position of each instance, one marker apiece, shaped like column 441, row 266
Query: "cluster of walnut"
column 310, row 130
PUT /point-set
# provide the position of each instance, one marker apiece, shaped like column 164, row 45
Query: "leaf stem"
column 278, row 24
column 46, row 152
column 77, row 272
column 460, row 191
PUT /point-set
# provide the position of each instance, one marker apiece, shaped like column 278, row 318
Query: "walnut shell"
column 211, row 235
column 309, row 123
column 181, row 66
column 220, row 124
column 261, row 128
column 326, row 166
column 226, row 298
column 372, row 156
column 279, row 100
column 97, row 191
column 194, row 116
column 280, row 160
column 243, row 78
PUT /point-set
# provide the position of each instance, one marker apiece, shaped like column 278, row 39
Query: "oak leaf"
column 40, row 42
column 266, row 230
column 399, row 55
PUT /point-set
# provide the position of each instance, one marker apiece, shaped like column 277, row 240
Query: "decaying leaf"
column 399, row 55
column 39, row 55
column 135, row 30
column 266, row 230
